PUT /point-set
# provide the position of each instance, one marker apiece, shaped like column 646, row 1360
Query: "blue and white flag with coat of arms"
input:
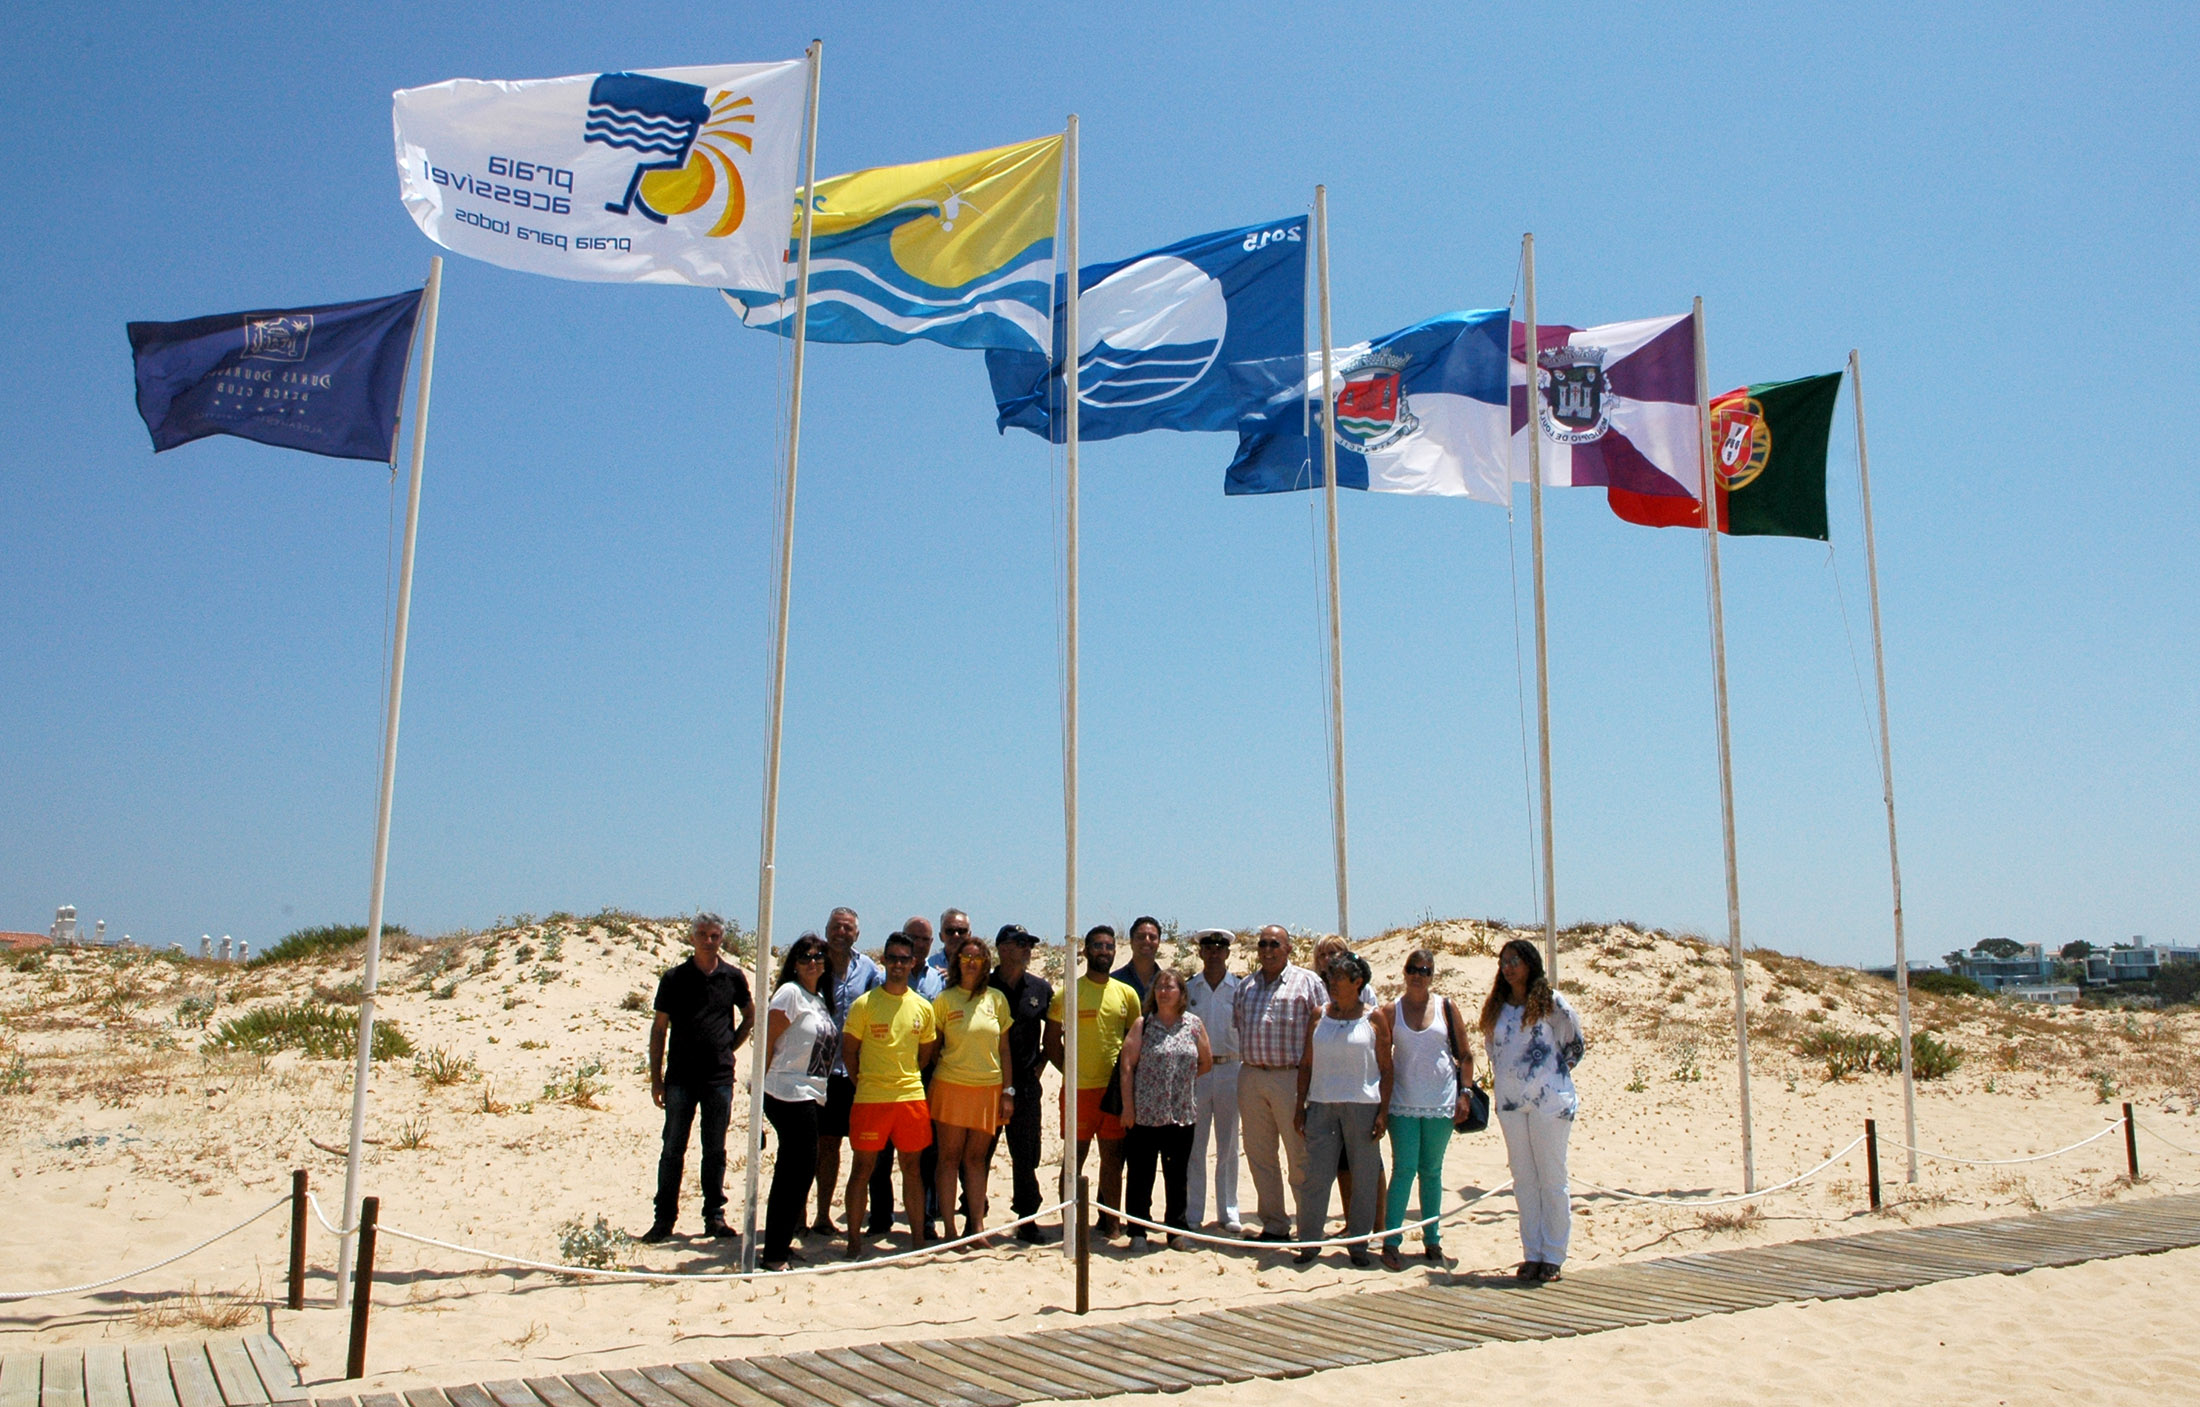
column 1158, row 334
column 1422, row 410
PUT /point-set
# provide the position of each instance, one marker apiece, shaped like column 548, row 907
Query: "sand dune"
column 524, row 1109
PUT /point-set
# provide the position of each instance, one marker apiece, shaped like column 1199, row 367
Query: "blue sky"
column 1999, row 211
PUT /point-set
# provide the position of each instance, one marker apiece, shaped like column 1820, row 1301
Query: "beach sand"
column 123, row 1141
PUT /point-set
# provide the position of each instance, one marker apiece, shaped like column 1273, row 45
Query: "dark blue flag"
column 1159, row 335
column 326, row 380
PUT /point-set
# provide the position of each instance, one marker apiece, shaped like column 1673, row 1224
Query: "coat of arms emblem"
column 1741, row 439
column 1575, row 391
column 1371, row 407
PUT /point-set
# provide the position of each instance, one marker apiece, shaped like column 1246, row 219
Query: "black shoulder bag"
column 1477, row 1117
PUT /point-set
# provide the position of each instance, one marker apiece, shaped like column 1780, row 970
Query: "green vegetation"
column 1847, row 1053
column 601, row 1246
column 322, row 1032
column 439, row 1067
column 1945, row 984
column 315, row 942
column 578, row 1088
column 2003, row 948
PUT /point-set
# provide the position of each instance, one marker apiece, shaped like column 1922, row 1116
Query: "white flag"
column 670, row 175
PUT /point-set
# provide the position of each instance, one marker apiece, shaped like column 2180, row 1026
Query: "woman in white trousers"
column 1534, row 1041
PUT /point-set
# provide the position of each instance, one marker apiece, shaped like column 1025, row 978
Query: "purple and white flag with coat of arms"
column 1618, row 405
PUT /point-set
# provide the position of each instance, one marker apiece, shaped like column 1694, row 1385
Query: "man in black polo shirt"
column 696, row 1006
column 1029, row 996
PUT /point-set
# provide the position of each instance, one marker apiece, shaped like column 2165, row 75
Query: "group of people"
column 937, row 1056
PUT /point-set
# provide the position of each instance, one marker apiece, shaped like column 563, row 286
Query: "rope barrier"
column 1258, row 1244
column 1724, row 1201
column 2178, row 1147
column 670, row 1276
column 5, row 1295
column 2011, row 1162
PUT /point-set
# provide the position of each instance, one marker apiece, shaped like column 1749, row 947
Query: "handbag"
column 1477, row 1117
column 1111, row 1098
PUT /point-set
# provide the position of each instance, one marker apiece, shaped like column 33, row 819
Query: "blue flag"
column 1423, row 410
column 326, row 380
column 1158, row 335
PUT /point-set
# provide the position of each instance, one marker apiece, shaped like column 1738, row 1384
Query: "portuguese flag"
column 1768, row 445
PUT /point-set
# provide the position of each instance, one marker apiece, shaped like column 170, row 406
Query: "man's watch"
column 1009, row 1090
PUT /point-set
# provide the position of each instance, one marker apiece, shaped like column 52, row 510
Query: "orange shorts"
column 1091, row 1123
column 907, row 1122
column 967, row 1106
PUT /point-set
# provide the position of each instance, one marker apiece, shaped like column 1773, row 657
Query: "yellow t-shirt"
column 1104, row 1016
column 970, row 1035
column 890, row 1029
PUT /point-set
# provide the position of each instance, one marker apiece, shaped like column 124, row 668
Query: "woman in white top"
column 800, row 1041
column 1344, row 1094
column 1432, row 1060
column 1535, row 1042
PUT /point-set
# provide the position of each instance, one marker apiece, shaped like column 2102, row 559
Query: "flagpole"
column 1336, row 622
column 1726, row 759
column 1542, row 648
column 1886, row 771
column 1070, row 963
column 767, row 872
column 363, row 1057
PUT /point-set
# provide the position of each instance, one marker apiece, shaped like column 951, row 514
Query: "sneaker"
column 1233, row 1228
column 658, row 1231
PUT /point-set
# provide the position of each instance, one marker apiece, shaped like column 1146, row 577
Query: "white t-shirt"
column 799, row 1068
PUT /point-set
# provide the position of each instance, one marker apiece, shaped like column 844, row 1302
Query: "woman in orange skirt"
column 969, row 1100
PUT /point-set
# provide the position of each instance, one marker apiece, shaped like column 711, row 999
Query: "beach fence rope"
column 1710, row 1201
column 1265, row 1245
column 2156, row 1135
column 87, row 1287
column 2105, row 1131
column 677, row 1276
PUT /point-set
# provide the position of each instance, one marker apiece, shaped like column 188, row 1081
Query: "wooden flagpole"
column 1336, row 621
column 1542, row 648
column 1071, row 964
column 363, row 1057
column 767, row 873
column 1886, row 772
column 1726, row 758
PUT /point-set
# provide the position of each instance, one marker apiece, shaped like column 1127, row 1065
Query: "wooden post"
column 1084, row 1243
column 298, row 1238
column 1871, row 1157
column 2131, row 1142
column 355, row 1364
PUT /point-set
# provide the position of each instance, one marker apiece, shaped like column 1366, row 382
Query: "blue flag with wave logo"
column 1424, row 410
column 326, row 380
column 1159, row 333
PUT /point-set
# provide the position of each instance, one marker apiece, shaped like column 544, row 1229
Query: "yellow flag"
column 957, row 250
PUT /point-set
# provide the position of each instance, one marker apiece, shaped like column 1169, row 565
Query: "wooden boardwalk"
column 250, row 1370
column 1286, row 1339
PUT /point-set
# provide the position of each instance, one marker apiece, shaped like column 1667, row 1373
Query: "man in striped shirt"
column 1275, row 1007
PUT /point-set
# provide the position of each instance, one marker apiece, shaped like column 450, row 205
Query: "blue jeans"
column 1416, row 1151
column 681, row 1104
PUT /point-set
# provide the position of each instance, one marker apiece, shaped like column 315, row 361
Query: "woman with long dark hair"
column 1534, row 1041
column 800, row 1041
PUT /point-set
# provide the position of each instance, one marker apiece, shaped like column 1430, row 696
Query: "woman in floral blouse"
column 1534, row 1040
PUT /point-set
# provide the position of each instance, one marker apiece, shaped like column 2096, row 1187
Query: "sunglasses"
column 809, row 957
column 904, row 958
column 1420, row 971
column 1266, row 943
column 955, row 932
